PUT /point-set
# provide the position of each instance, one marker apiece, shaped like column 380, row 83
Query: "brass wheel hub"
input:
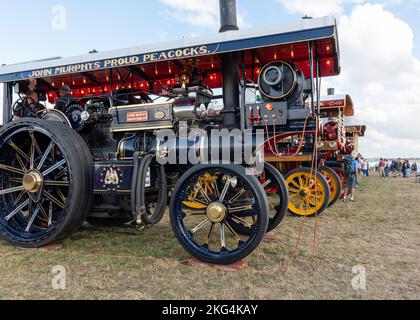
column 32, row 181
column 216, row 212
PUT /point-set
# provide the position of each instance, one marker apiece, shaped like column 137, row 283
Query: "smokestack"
column 228, row 17
column 331, row 91
column 229, row 22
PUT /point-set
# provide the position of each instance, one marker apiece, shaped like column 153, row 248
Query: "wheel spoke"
column 62, row 196
column 293, row 182
column 222, row 236
column 54, row 200
column 22, row 165
column 203, row 193
column 11, row 169
column 244, row 222
column 237, row 196
column 19, row 197
column 210, row 233
column 216, row 189
column 44, row 156
column 19, row 151
column 225, row 189
column 54, row 167
column 43, row 212
column 57, row 183
column 35, row 143
column 11, row 190
column 266, row 184
column 16, row 180
column 200, row 226
column 191, row 212
column 198, row 201
column 241, row 208
column 31, row 222
column 18, row 209
column 61, row 173
column 32, row 158
column 234, row 234
column 50, row 214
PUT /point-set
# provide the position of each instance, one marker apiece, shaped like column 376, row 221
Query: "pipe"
column 331, row 91
column 228, row 17
column 229, row 22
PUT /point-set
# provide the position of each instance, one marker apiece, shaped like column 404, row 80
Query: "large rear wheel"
column 277, row 194
column 309, row 192
column 211, row 202
column 45, row 182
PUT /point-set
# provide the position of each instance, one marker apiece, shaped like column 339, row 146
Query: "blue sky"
column 27, row 34
column 104, row 25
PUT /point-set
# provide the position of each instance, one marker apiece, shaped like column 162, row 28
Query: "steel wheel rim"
column 217, row 239
column 32, row 213
column 272, row 189
column 307, row 195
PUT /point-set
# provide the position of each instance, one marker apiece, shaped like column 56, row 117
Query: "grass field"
column 381, row 232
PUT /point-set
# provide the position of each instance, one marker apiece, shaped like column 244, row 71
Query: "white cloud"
column 197, row 13
column 316, row 8
column 383, row 77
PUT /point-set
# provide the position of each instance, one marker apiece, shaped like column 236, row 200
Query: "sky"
column 379, row 42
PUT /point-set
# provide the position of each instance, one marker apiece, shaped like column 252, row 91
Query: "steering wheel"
column 25, row 107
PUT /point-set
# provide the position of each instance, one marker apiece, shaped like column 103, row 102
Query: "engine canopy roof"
column 160, row 63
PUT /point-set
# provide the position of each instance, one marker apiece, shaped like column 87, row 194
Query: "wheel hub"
column 303, row 193
column 32, row 181
column 216, row 212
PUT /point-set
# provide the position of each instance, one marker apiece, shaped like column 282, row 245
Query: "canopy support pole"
column 7, row 102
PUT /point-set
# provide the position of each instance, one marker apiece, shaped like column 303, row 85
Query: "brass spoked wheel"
column 334, row 182
column 309, row 192
column 209, row 206
column 44, row 182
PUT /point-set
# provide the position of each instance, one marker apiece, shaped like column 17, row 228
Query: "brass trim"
column 166, row 104
column 32, row 181
column 141, row 128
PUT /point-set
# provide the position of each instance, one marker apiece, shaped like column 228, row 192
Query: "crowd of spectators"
column 396, row 168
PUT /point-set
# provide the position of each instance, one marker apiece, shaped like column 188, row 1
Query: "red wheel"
column 342, row 176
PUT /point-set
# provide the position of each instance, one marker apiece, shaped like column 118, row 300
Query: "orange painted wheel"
column 334, row 182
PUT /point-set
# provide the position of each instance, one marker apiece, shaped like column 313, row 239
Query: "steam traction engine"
column 333, row 144
column 103, row 154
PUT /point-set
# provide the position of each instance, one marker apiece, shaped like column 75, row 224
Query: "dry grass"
column 380, row 232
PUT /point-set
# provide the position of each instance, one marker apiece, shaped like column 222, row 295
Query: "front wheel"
column 209, row 203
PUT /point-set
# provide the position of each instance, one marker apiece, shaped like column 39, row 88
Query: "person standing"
column 400, row 166
column 387, row 168
column 414, row 167
column 406, row 169
column 381, row 166
column 365, row 168
column 351, row 169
